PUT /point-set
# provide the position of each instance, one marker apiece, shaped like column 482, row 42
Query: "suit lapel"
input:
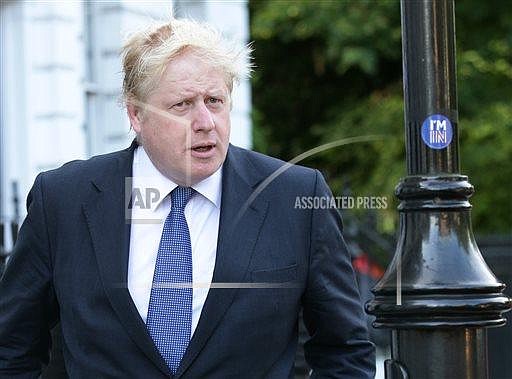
column 110, row 234
column 239, row 227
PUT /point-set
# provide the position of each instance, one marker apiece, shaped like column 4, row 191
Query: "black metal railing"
column 8, row 236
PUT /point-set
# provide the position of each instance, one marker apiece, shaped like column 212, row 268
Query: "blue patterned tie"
column 169, row 318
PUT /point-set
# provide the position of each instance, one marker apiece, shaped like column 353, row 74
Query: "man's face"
column 185, row 126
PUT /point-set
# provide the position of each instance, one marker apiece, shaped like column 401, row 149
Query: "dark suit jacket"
column 70, row 264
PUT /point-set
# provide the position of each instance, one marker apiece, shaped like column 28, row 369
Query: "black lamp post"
column 438, row 295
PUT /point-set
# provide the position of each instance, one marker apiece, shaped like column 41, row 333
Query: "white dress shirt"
column 202, row 213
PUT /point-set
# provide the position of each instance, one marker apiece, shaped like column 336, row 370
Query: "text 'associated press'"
column 341, row 202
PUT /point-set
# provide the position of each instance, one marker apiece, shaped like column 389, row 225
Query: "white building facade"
column 61, row 82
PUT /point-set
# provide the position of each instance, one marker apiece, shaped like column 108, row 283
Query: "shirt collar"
column 211, row 187
column 146, row 175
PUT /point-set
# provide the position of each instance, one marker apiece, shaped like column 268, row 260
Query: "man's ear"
column 135, row 116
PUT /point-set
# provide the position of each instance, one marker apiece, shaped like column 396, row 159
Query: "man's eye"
column 213, row 100
column 180, row 105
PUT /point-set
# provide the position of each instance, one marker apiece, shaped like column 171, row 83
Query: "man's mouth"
column 204, row 147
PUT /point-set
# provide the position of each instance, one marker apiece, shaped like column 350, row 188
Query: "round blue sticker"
column 436, row 131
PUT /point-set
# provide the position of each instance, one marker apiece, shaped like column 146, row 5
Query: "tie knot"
column 180, row 197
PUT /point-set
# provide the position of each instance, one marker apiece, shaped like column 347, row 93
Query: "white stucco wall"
column 42, row 118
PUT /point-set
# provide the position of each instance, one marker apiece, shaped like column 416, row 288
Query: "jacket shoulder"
column 75, row 175
column 267, row 163
column 280, row 173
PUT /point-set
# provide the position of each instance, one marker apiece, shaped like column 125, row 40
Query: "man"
column 206, row 281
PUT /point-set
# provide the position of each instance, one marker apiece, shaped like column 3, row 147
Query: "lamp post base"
column 455, row 353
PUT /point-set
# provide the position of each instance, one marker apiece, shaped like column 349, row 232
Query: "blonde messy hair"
column 147, row 52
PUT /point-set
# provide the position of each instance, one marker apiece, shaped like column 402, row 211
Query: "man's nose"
column 202, row 118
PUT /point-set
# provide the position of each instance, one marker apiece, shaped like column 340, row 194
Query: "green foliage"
column 327, row 70
column 487, row 157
